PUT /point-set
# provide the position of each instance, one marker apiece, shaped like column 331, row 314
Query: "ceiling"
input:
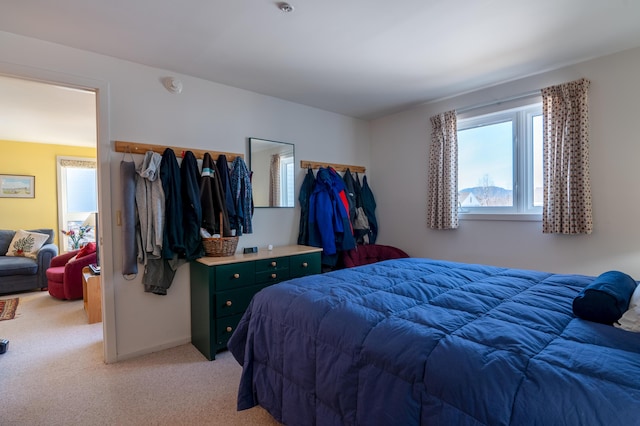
column 361, row 58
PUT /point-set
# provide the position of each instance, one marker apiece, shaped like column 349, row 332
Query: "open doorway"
column 51, row 133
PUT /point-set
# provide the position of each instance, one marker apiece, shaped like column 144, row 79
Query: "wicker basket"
column 218, row 247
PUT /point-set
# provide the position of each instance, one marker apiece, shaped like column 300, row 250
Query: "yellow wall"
column 39, row 160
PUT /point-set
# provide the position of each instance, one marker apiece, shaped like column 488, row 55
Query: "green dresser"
column 222, row 287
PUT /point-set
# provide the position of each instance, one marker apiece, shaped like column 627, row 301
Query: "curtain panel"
column 274, row 181
column 567, row 188
column 442, row 210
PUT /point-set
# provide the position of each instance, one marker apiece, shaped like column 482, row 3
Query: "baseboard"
column 169, row 345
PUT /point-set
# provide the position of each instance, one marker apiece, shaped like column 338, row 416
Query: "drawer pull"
column 305, row 264
column 228, row 303
column 273, row 264
column 236, row 276
column 229, row 329
column 273, row 275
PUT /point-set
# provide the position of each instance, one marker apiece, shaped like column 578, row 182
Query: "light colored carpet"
column 54, row 374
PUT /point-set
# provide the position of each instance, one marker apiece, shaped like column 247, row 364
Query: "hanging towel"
column 129, row 250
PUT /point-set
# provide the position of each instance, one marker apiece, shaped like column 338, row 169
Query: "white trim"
column 522, row 217
column 101, row 88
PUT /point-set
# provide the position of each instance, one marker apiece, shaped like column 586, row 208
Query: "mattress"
column 421, row 341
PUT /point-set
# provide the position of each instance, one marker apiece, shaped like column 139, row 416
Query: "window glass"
column 485, row 165
column 500, row 162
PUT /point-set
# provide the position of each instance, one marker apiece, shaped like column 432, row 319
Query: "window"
column 287, row 196
column 77, row 195
column 500, row 162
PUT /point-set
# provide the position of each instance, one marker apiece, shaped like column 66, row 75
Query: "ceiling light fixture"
column 285, row 7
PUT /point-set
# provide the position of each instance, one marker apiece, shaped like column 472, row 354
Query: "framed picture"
column 17, row 186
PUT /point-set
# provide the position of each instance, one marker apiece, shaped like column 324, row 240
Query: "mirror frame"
column 260, row 188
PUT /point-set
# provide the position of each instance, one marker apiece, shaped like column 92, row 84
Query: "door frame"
column 101, row 89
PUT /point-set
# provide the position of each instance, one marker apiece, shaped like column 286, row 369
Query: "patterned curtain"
column 274, row 181
column 443, row 172
column 567, row 190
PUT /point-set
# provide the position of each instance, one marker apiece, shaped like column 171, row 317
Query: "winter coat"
column 191, row 208
column 369, row 206
column 212, row 199
column 242, row 197
column 305, row 193
column 149, row 198
column 329, row 223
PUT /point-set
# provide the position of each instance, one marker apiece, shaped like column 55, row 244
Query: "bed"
column 420, row 341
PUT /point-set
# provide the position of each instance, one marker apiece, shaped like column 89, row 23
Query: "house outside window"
column 500, row 163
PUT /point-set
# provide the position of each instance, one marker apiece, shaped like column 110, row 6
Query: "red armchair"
column 64, row 276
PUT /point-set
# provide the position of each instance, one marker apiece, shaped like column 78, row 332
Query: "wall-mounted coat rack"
column 142, row 148
column 338, row 167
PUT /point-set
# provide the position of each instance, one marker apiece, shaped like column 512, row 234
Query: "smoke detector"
column 285, row 7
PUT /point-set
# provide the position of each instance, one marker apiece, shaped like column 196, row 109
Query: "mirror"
column 273, row 167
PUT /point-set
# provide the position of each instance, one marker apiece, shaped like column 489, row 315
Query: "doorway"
column 99, row 93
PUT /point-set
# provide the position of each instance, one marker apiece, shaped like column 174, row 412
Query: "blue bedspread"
column 418, row 341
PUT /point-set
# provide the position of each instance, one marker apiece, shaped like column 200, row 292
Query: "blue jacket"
column 329, row 224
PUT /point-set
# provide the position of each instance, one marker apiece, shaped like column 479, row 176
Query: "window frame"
column 521, row 115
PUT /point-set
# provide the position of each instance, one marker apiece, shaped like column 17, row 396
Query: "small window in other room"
column 500, row 163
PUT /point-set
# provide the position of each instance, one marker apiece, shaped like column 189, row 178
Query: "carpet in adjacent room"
column 8, row 308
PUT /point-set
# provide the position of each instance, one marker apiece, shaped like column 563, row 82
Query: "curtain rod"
column 500, row 101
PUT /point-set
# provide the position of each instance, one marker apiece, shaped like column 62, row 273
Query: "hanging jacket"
column 305, row 193
column 242, row 197
column 329, row 223
column 222, row 165
column 191, row 207
column 212, row 199
column 369, row 206
column 149, row 200
column 350, row 187
column 173, row 242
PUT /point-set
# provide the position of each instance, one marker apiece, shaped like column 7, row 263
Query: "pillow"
column 606, row 299
column 86, row 250
column 26, row 244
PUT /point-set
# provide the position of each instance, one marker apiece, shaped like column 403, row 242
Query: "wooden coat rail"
column 338, row 167
column 142, row 148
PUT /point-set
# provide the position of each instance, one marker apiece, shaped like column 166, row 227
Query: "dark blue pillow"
column 606, row 299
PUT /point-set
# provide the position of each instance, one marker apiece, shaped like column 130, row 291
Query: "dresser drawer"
column 235, row 275
column 272, row 264
column 304, row 264
column 231, row 302
column 272, row 277
column 224, row 329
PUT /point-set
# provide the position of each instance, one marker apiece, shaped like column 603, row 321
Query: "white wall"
column 205, row 116
column 400, row 149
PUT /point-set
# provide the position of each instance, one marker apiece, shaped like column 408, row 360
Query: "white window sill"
column 520, row 217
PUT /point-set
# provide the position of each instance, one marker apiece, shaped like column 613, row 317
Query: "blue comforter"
column 418, row 341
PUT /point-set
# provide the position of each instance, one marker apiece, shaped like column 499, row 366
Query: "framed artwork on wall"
column 17, row 186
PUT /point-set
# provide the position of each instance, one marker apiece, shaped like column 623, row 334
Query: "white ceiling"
column 362, row 58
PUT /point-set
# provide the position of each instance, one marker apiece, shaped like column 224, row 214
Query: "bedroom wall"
column 400, row 150
column 205, row 115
